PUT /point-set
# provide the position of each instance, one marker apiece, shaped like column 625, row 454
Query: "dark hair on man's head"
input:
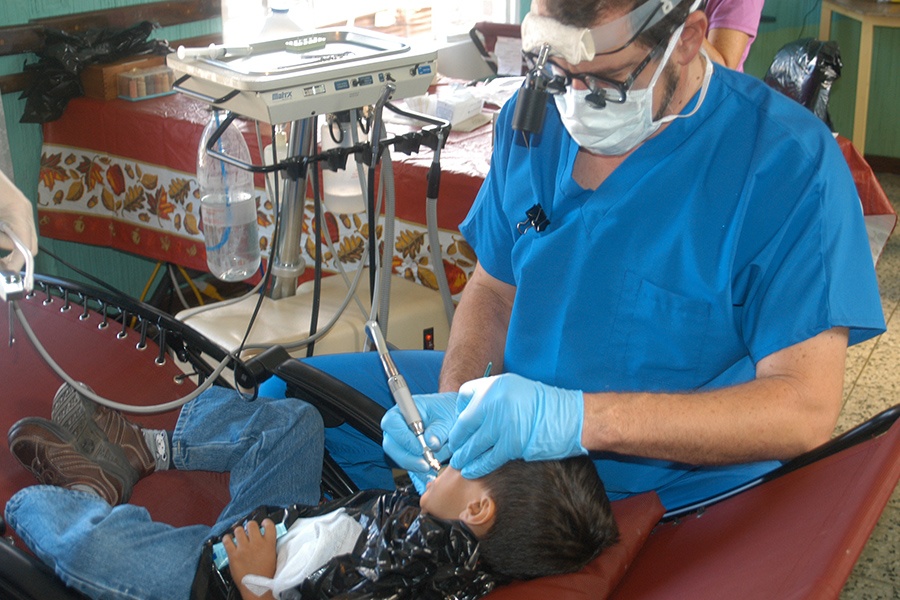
column 584, row 13
column 552, row 517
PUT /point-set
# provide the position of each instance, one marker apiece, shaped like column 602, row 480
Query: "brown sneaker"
column 47, row 450
column 94, row 426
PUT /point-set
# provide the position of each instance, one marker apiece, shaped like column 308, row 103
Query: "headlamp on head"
column 532, row 103
column 543, row 37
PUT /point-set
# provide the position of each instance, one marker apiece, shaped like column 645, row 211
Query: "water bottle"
column 227, row 206
column 342, row 189
column 285, row 19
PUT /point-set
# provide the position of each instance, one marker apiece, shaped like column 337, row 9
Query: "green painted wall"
column 796, row 19
column 124, row 271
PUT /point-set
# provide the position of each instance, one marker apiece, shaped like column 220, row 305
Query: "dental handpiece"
column 400, row 392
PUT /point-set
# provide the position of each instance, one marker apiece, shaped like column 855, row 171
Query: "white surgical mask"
column 618, row 128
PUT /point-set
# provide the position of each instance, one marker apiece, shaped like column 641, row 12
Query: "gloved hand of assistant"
column 510, row 417
column 16, row 211
column 438, row 412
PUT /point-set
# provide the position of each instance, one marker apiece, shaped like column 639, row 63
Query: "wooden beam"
column 200, row 41
column 17, row 82
column 14, row 83
column 173, row 12
column 19, row 39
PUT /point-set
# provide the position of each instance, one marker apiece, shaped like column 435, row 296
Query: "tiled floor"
column 872, row 384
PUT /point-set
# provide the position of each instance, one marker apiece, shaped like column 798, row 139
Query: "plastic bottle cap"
column 281, row 6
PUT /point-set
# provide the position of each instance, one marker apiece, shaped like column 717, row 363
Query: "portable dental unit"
column 297, row 79
column 324, row 71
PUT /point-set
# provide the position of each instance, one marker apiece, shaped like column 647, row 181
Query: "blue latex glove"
column 438, row 412
column 420, row 480
column 509, row 417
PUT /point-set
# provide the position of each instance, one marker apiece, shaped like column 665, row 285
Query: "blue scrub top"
column 730, row 235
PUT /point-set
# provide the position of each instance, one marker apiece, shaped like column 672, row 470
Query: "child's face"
column 448, row 496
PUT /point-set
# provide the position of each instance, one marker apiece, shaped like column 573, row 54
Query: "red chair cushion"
column 114, row 368
column 797, row 536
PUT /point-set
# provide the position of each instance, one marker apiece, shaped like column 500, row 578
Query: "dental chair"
column 795, row 533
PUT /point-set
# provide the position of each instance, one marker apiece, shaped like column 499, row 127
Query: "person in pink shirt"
column 732, row 29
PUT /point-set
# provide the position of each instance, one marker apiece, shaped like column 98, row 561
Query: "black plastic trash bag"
column 56, row 79
column 804, row 70
column 401, row 554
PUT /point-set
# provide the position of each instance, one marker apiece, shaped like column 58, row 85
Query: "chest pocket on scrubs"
column 664, row 335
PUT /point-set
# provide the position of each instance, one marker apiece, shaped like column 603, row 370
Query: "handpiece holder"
column 433, row 136
column 12, row 285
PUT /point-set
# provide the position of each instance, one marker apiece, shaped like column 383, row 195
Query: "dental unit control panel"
column 324, row 71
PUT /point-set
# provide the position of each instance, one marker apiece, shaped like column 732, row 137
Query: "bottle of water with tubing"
column 227, row 206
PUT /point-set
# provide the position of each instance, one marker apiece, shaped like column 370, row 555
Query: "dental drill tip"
column 433, row 462
column 428, row 454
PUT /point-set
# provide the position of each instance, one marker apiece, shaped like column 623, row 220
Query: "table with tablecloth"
column 121, row 174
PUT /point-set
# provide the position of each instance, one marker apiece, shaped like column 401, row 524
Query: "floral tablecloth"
column 121, row 174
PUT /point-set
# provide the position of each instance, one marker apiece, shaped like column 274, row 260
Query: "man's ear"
column 692, row 37
column 479, row 514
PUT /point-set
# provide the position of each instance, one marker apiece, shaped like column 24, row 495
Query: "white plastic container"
column 228, row 206
column 281, row 151
column 342, row 190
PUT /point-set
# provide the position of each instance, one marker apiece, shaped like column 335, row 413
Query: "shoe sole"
column 105, row 469
column 75, row 414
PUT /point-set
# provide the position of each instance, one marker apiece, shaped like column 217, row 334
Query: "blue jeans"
column 273, row 450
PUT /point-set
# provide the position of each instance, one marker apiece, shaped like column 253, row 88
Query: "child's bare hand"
column 251, row 552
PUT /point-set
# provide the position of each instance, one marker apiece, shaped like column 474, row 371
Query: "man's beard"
column 670, row 84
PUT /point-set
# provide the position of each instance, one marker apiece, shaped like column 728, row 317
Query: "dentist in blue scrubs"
column 669, row 273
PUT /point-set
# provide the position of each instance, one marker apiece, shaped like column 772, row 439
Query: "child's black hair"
column 552, row 517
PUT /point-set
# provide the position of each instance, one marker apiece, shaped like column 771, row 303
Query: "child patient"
column 459, row 539
column 522, row 521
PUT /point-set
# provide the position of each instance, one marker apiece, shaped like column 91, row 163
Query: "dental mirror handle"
column 212, row 51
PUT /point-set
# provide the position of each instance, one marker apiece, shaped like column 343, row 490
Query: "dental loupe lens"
column 604, row 90
column 556, row 86
column 596, row 100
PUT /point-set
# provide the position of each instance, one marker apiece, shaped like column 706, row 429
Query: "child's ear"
column 479, row 514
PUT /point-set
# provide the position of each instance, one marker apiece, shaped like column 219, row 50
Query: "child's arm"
column 254, row 554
